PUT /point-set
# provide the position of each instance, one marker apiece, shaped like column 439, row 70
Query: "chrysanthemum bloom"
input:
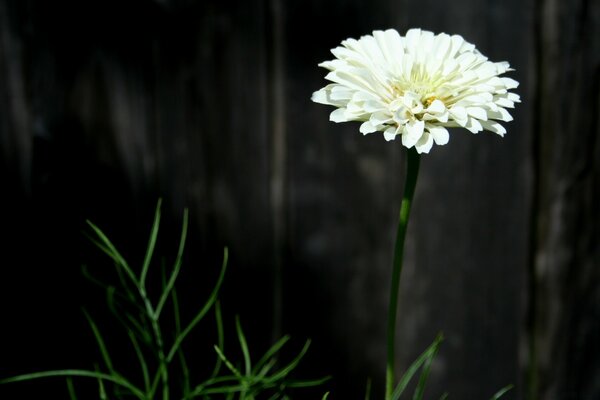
column 417, row 86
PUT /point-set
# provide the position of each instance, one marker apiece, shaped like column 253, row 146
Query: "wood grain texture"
column 108, row 105
column 565, row 280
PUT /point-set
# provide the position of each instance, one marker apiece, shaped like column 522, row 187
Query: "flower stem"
column 412, row 172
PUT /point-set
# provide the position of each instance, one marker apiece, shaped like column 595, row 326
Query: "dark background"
column 105, row 106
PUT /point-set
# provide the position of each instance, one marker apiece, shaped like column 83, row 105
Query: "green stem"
column 412, row 173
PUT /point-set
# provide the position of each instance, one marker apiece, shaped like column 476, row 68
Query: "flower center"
column 427, row 102
column 424, row 89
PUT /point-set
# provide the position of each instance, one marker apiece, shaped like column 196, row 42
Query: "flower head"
column 416, row 86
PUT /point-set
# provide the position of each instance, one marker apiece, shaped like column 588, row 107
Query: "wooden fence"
column 107, row 105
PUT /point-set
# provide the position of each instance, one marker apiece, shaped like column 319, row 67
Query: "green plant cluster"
column 159, row 361
column 163, row 368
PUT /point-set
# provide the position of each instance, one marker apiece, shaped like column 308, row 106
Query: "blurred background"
column 105, row 106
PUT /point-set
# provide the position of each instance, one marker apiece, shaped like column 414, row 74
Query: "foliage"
column 163, row 367
column 423, row 362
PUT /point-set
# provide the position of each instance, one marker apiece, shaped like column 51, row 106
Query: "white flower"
column 416, row 86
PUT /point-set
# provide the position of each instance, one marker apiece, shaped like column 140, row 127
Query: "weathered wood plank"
column 564, row 297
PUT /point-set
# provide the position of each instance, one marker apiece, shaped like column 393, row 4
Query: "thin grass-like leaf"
column 225, row 389
column 141, row 359
column 266, row 369
column 414, row 367
column 180, row 354
column 220, row 338
column 228, row 364
column 132, row 295
column 129, row 321
column 71, row 389
column 243, row 346
column 282, row 373
column 116, row 379
column 112, row 252
column 501, row 392
column 368, row 389
column 444, row 396
column 325, row 396
column 101, row 389
column 209, row 303
column 274, row 397
column 420, row 389
column 112, row 292
column 199, row 389
column 155, row 381
column 176, row 267
column 144, row 333
column 100, row 341
column 271, row 352
column 151, row 244
column 307, row 382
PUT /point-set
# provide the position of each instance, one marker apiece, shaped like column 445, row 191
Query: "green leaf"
column 176, row 267
column 141, row 359
column 107, row 247
column 501, row 392
column 271, row 352
column 209, row 303
column 282, row 373
column 71, row 389
column 414, row 367
column 116, row 379
column 243, row 345
column 420, row 389
column 325, row 396
column 101, row 345
column 307, row 382
column 368, row 389
column 444, row 396
column 151, row 244
column 228, row 364
column 182, row 361
column 101, row 389
column 220, row 338
column 199, row 389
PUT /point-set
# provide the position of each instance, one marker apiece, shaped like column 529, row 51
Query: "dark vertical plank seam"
column 278, row 156
column 530, row 370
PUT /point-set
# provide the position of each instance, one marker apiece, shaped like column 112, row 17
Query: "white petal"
column 367, row 127
column 341, row 93
column 510, row 83
column 436, row 107
column 504, row 102
column 320, row 96
column 443, row 44
column 494, row 127
column 478, row 113
column 502, row 67
column 380, row 118
column 364, row 96
column 338, row 115
column 440, row 134
column 425, row 143
column 474, row 125
column 459, row 114
column 412, row 40
column 389, row 134
column 500, row 114
column 373, row 106
column 514, row 97
column 412, row 132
